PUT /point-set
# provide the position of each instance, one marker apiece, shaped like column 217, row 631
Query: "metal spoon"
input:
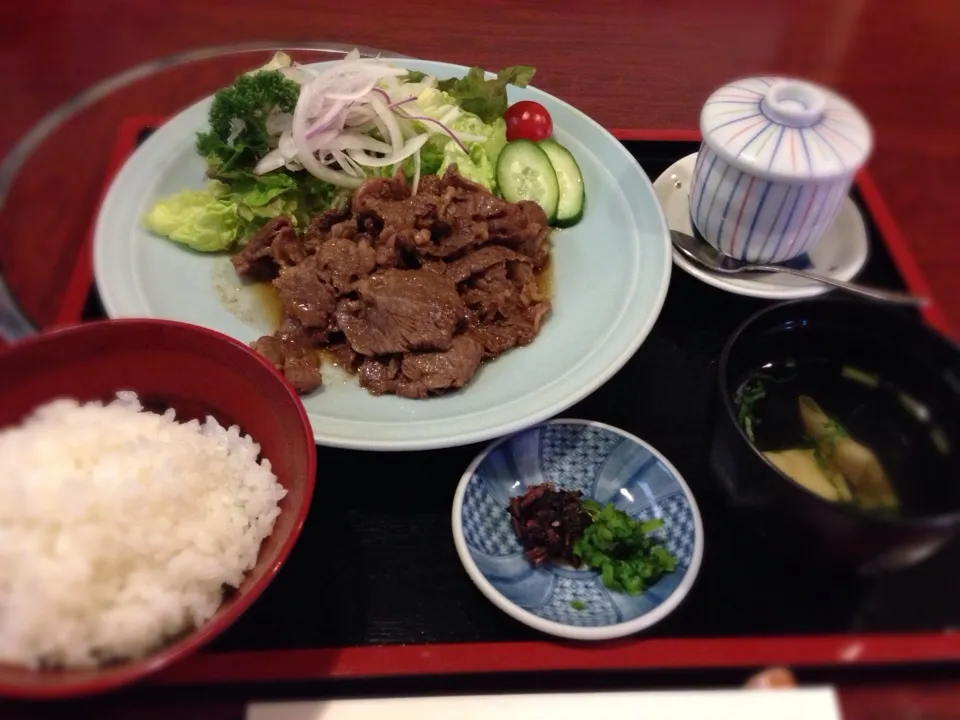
column 706, row 256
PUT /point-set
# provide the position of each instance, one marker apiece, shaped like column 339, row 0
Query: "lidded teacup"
column 777, row 160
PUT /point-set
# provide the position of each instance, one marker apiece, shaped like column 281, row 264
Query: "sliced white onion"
column 299, row 75
column 278, row 122
column 237, row 126
column 336, row 111
column 381, row 127
column 273, row 160
column 389, row 120
column 450, row 115
column 347, row 163
column 428, row 121
column 279, row 61
column 354, row 93
column 416, row 173
column 410, row 147
column 349, row 141
column 287, row 146
column 469, row 137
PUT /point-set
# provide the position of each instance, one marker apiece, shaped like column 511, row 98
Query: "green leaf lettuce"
column 487, row 99
column 479, row 163
column 214, row 219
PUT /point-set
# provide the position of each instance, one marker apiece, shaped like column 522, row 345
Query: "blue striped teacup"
column 777, row 159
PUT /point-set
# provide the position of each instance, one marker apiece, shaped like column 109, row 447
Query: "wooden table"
column 628, row 64
column 637, row 63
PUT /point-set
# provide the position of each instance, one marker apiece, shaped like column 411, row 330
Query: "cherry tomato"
column 528, row 120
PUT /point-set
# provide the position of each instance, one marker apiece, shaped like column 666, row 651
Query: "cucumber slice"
column 570, row 181
column 524, row 172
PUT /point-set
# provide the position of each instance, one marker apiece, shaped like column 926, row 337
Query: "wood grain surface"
column 632, row 63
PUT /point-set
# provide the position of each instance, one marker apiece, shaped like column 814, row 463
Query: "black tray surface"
column 376, row 562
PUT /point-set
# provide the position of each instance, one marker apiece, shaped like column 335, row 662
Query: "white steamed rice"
column 119, row 527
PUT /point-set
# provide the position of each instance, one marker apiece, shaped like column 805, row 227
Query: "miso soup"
column 850, row 435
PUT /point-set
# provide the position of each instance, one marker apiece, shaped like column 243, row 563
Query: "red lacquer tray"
column 411, row 610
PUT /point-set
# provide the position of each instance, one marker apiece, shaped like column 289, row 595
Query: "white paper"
column 799, row 704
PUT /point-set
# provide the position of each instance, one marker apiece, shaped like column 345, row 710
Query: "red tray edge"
column 539, row 656
column 462, row 658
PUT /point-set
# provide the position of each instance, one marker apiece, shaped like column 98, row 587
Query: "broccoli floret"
column 232, row 145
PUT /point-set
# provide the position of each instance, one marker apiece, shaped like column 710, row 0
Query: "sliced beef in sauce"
column 273, row 246
column 506, row 304
column 401, row 310
column 515, row 331
column 293, row 330
column 379, row 375
column 429, row 185
column 419, row 374
column 343, row 261
column 410, row 291
column 323, row 222
column 320, row 227
column 305, row 296
column 344, row 356
column 423, row 374
column 373, row 190
column 479, row 260
column 300, row 366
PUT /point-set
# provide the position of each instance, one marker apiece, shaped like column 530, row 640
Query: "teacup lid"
column 784, row 128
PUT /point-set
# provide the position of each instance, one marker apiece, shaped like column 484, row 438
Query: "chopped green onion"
column 860, row 376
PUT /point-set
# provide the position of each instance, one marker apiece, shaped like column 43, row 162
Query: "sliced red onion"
column 321, row 142
column 331, row 120
column 359, row 116
column 305, row 154
column 338, row 107
column 383, row 94
column 398, row 103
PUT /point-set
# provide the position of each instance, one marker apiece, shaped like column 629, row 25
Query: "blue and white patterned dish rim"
column 606, row 464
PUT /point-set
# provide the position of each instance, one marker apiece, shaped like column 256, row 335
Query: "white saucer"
column 841, row 252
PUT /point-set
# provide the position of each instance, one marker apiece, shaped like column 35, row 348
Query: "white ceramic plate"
column 841, row 253
column 611, row 273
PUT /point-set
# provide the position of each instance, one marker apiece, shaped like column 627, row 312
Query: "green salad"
column 288, row 140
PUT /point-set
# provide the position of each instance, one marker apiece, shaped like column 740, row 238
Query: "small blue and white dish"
column 605, row 464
